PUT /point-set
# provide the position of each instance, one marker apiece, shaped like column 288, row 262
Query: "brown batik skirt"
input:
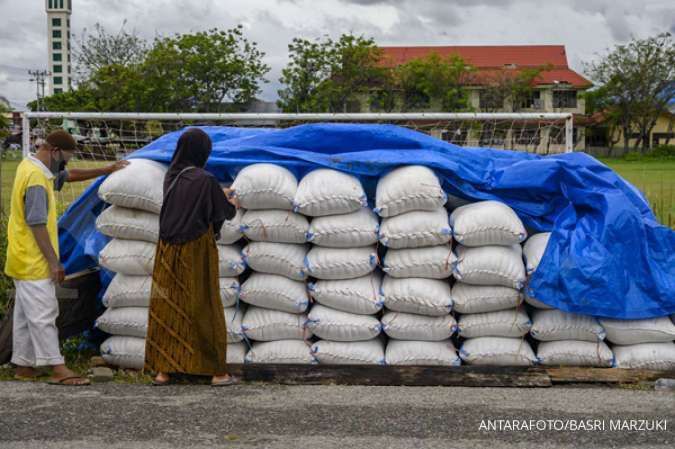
column 186, row 326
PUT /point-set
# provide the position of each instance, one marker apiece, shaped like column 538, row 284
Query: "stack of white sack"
column 418, row 262
column 642, row 344
column 341, row 263
column 565, row 339
column 490, row 275
column 275, row 321
column 132, row 222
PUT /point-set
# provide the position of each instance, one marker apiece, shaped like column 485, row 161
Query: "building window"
column 68, row 23
column 531, row 101
column 56, row 34
column 58, row 90
column 51, row 4
column 56, row 45
column 58, row 69
column 61, row 4
column 527, row 136
column 56, row 22
column 490, row 101
column 57, row 57
column 565, row 99
column 58, row 80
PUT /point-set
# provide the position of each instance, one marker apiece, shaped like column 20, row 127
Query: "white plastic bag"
column 434, row 262
column 329, row 192
column 265, row 186
column 231, row 230
column 533, row 250
column 275, row 292
column 467, row 298
column 335, row 325
column 284, row 259
column 575, row 353
column 653, row 356
column 498, row 351
column 552, row 325
column 132, row 257
column 490, row 265
column 353, row 230
column 140, row 185
column 408, row 326
column 280, row 226
column 127, row 321
column 130, row 224
column 408, row 188
column 421, row 353
column 295, row 352
column 369, row 352
column 631, row 332
column 430, row 297
column 360, row 295
column 416, row 229
column 486, row 223
column 512, row 323
column 340, row 263
column 124, row 352
column 267, row 325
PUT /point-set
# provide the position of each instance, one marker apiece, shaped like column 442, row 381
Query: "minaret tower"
column 58, row 37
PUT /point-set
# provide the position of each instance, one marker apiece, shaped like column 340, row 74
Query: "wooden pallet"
column 463, row 376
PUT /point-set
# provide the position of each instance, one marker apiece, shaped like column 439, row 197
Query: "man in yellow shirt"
column 33, row 255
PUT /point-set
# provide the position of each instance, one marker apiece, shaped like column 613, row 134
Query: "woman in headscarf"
column 186, row 327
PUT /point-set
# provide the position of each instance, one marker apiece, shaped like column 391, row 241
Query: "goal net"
column 106, row 137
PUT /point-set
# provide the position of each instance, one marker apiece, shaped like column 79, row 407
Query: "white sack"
column 490, row 265
column 231, row 230
column 267, row 325
column 487, row 223
column 281, row 351
column 369, row 352
column 230, row 261
column 552, row 325
column 329, row 192
column 284, row 259
column 498, row 351
column 652, row 356
column 140, row 185
column 353, row 230
column 275, row 292
column 127, row 321
column 130, row 224
column 413, row 187
column 631, row 332
column 416, row 229
column 235, row 353
column 265, row 186
column 533, row 250
column 233, row 319
column 408, row 326
column 535, row 302
column 512, row 323
column 335, row 325
column 575, row 353
column 416, row 295
column 340, row 263
column 124, row 352
column 128, row 256
column 434, row 262
column 360, row 295
column 421, row 353
column 280, row 226
column 467, row 298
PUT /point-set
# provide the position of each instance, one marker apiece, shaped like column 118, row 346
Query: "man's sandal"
column 67, row 381
column 226, row 383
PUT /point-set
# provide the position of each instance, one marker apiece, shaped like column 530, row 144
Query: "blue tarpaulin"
column 608, row 256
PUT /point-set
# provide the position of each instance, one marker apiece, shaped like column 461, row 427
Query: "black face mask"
column 57, row 165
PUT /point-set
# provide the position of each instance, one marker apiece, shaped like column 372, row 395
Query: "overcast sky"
column 585, row 27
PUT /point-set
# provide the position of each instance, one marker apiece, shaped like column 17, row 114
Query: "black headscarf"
column 193, row 199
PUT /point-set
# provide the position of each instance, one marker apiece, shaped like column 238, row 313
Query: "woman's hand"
column 231, row 196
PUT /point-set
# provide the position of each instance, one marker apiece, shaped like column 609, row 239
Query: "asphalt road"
column 112, row 416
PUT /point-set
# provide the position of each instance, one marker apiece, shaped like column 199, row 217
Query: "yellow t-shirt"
column 24, row 259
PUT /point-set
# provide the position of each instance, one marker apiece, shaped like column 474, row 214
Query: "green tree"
column 638, row 79
column 5, row 121
column 433, row 80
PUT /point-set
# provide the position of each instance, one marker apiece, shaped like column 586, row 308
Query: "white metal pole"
column 25, row 134
column 569, row 134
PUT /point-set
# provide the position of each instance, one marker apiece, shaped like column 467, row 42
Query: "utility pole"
column 39, row 77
